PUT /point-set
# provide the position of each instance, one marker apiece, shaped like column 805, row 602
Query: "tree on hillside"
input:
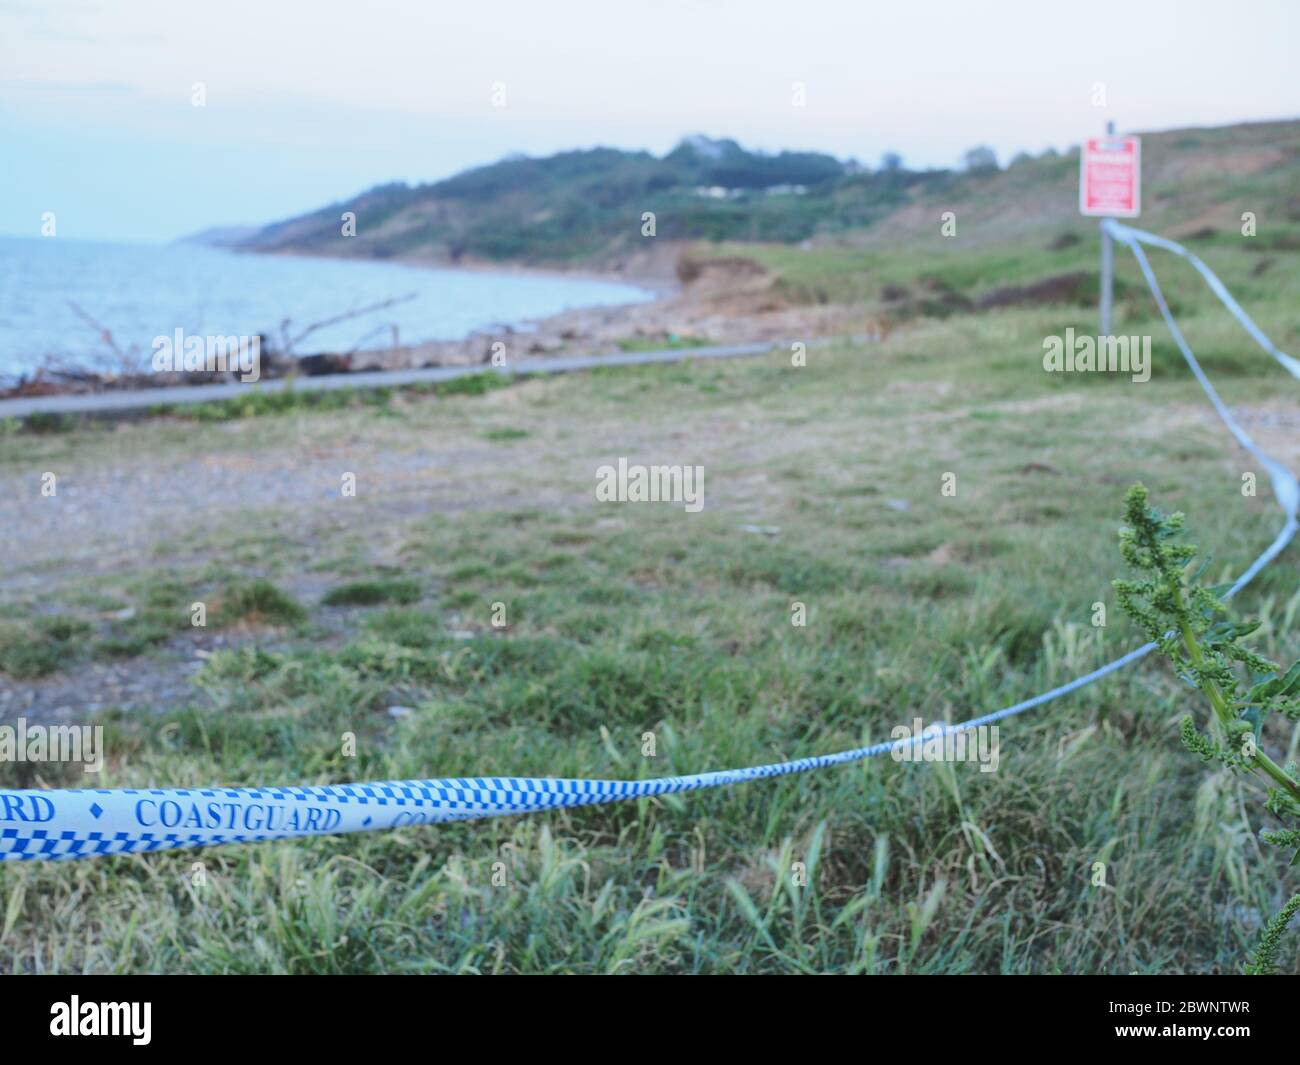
column 981, row 157
column 891, row 161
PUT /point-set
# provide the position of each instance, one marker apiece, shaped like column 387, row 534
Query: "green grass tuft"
column 373, row 592
column 258, row 602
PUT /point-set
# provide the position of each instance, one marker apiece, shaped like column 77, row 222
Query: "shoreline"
column 58, row 376
column 724, row 302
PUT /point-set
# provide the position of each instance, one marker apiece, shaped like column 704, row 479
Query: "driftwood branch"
column 105, row 334
column 290, row 343
column 366, row 336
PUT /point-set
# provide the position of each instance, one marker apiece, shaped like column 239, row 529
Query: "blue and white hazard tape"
column 81, row 823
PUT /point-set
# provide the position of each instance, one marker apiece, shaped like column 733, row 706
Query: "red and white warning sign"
column 1110, row 177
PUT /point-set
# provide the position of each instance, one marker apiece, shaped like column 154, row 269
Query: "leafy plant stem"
column 1224, row 716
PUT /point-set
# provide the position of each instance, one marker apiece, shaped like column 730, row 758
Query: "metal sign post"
column 1107, row 280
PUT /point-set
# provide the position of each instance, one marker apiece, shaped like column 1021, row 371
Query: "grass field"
column 822, row 486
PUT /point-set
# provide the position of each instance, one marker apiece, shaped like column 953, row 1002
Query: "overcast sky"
column 310, row 101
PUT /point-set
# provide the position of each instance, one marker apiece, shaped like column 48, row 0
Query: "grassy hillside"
column 586, row 206
column 575, row 205
column 1021, row 226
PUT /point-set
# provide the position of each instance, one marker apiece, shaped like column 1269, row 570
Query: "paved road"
column 143, row 399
